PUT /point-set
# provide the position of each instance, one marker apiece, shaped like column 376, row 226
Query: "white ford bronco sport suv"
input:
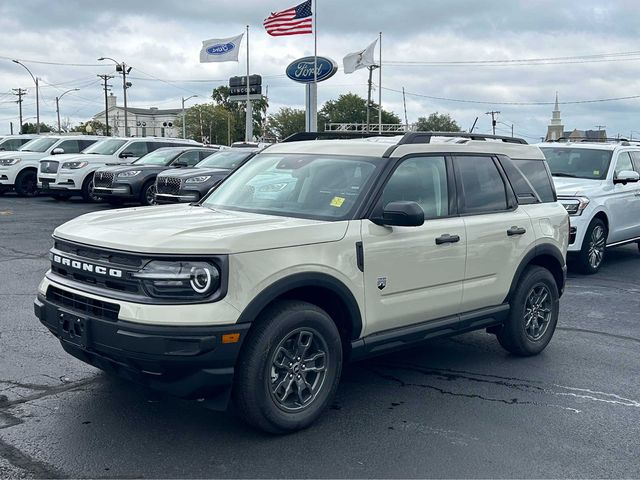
column 309, row 255
column 18, row 169
column 598, row 185
column 74, row 174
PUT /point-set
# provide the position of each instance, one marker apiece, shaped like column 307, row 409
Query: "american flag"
column 296, row 20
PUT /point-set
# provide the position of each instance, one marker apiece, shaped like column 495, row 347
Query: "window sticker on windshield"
column 596, row 172
column 337, row 202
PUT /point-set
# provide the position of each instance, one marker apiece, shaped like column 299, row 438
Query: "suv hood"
column 19, row 154
column 64, row 157
column 186, row 229
column 193, row 172
column 126, row 167
column 570, row 187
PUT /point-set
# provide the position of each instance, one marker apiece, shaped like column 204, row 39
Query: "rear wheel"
column 533, row 315
column 289, row 368
column 26, row 184
column 148, row 194
column 88, row 194
column 593, row 247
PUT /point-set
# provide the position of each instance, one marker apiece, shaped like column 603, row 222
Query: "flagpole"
column 380, row 88
column 248, row 135
column 314, row 115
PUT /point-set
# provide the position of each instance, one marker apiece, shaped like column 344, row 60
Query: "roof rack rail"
column 425, row 137
column 305, row 136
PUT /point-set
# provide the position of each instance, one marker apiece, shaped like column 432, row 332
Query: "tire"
column 267, row 396
column 520, row 336
column 593, row 248
column 148, row 194
column 27, row 184
column 87, row 191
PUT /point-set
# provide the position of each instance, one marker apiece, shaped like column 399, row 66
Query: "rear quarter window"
column 538, row 175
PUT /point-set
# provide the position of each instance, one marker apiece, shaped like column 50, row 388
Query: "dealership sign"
column 302, row 69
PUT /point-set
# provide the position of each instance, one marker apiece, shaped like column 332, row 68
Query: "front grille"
column 170, row 185
column 49, row 166
column 83, row 305
column 103, row 179
column 95, row 256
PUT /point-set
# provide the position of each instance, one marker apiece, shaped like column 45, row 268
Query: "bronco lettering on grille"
column 87, row 267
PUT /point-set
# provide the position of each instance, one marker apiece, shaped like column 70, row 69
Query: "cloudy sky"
column 161, row 40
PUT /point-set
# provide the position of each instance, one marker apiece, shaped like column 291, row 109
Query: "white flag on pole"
column 221, row 49
column 362, row 59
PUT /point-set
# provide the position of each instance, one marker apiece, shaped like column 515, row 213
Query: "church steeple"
column 555, row 130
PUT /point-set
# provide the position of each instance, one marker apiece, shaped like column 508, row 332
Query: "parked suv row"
column 308, row 256
column 73, row 174
column 598, row 183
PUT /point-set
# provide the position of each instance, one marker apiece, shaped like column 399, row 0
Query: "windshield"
column 225, row 159
column 105, row 147
column 158, row 157
column 39, row 145
column 578, row 162
column 323, row 187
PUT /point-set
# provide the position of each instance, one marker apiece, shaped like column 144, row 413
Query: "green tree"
column 220, row 97
column 285, row 122
column 437, row 122
column 352, row 108
column 32, row 128
column 208, row 120
column 91, row 127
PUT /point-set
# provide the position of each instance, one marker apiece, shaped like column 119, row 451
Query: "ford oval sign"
column 220, row 48
column 301, row 70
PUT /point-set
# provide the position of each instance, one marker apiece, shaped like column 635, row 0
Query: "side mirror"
column 126, row 155
column 626, row 176
column 401, row 214
column 57, row 151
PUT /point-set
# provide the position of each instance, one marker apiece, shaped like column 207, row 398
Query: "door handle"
column 516, row 231
column 446, row 238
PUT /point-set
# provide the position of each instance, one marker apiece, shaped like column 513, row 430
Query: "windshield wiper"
column 563, row 174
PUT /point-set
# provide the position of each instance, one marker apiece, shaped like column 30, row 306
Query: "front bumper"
column 579, row 225
column 185, row 361
column 182, row 197
column 7, row 177
column 120, row 191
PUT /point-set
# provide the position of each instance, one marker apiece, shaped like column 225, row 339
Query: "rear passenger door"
column 498, row 232
column 624, row 204
column 410, row 276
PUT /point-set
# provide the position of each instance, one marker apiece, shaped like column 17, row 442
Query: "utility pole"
column 404, row 102
column 105, row 79
column 124, row 70
column 184, row 116
column 58, row 106
column 20, row 92
column 493, row 113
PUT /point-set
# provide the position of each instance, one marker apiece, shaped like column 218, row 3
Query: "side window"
column 636, row 160
column 70, row 146
column 86, row 143
column 422, row 180
column 189, row 158
column 536, row 172
column 623, row 163
column 483, row 189
column 137, row 149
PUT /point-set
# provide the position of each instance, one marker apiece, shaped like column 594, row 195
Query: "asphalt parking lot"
column 460, row 407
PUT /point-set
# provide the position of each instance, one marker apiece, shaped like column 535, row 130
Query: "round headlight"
column 200, row 279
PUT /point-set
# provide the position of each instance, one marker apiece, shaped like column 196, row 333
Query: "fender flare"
column 545, row 249
column 298, row 280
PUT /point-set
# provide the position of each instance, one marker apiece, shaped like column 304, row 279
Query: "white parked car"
column 307, row 256
column 18, row 169
column 73, row 175
column 598, row 185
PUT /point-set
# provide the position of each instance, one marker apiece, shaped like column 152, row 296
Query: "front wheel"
column 148, row 194
column 26, row 184
column 593, row 247
column 533, row 315
column 289, row 368
column 88, row 194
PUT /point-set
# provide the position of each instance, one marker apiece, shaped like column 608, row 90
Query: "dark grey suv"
column 179, row 185
column 136, row 182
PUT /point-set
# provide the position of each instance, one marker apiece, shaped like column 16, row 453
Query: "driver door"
column 410, row 275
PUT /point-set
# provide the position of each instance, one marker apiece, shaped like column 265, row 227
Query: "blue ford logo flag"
column 221, row 49
column 301, row 70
